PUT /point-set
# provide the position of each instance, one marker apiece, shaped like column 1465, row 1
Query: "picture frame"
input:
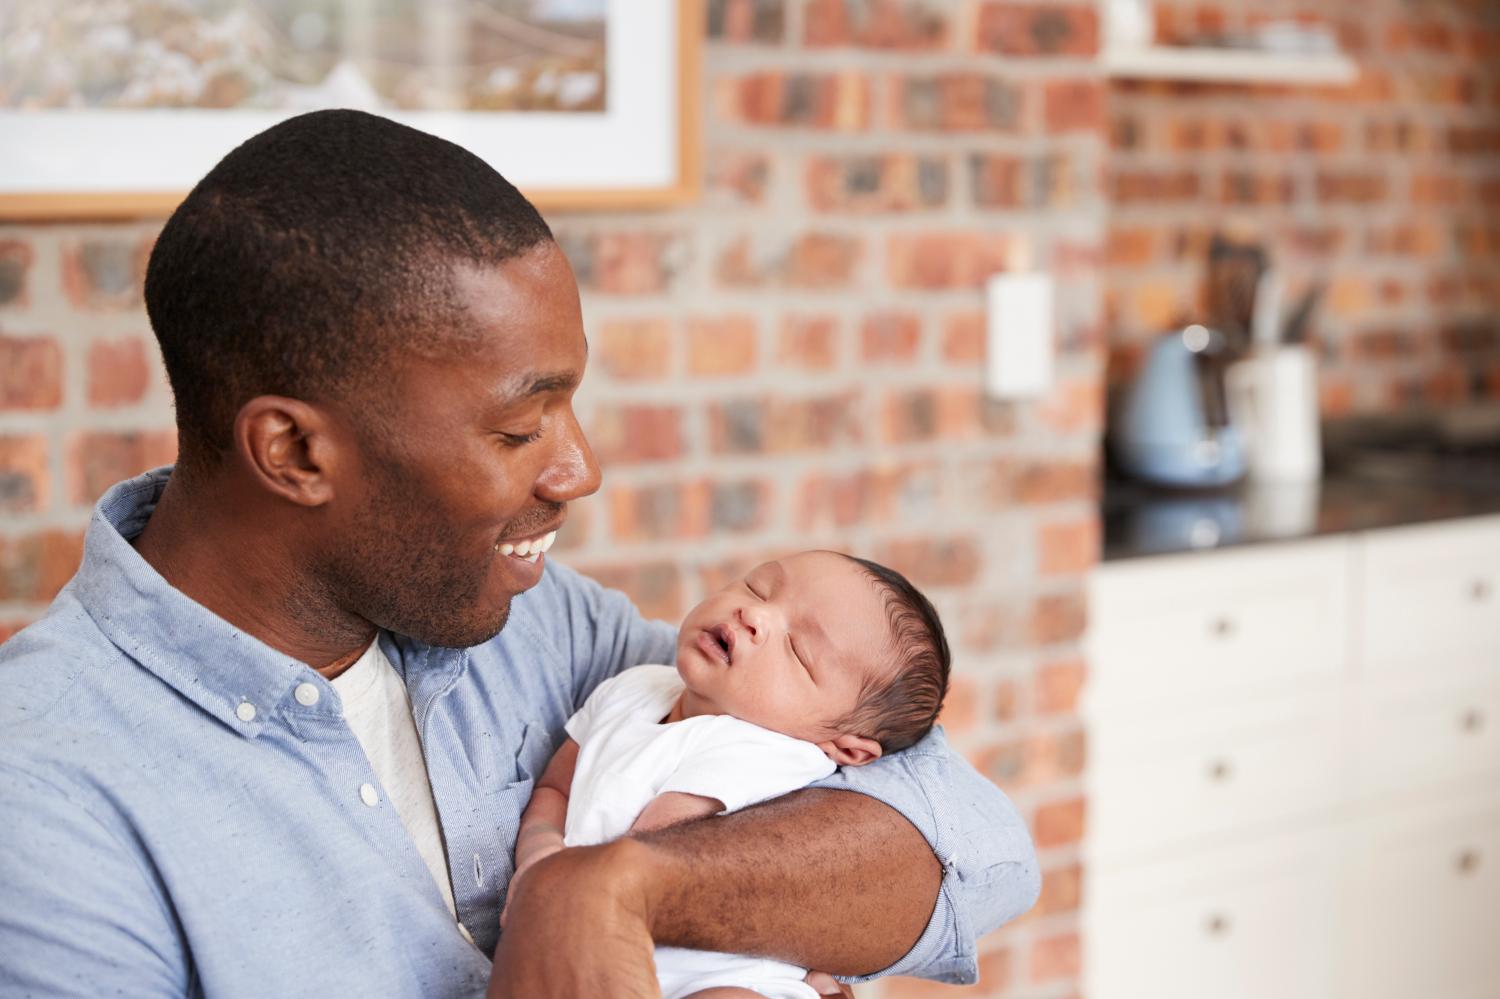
column 640, row 152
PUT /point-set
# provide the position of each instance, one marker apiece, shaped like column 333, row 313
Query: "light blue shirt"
column 176, row 819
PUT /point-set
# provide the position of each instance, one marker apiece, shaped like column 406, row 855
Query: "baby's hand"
column 533, row 857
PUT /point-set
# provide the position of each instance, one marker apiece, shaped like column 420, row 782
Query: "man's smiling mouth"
column 528, row 549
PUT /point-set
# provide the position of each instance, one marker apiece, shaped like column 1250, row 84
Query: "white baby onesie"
column 626, row 758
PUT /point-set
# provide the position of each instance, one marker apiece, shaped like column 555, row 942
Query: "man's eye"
column 519, row 440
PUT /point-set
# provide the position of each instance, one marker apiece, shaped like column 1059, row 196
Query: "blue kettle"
column 1174, row 426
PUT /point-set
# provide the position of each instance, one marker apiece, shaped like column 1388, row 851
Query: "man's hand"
column 578, row 926
column 534, row 858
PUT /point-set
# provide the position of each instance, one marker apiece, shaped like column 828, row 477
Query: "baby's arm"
column 672, row 807
column 546, row 816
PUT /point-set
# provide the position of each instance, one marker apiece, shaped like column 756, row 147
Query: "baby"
column 810, row 662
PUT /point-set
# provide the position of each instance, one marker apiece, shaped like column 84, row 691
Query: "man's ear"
column 851, row 750
column 287, row 446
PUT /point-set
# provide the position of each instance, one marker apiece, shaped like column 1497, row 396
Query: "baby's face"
column 789, row 647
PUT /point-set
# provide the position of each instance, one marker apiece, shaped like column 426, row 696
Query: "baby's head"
column 832, row 649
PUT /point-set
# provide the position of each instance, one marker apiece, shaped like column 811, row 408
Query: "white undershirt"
column 378, row 711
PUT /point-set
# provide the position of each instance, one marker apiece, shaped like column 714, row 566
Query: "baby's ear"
column 851, row 750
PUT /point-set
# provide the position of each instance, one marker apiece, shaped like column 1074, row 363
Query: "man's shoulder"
column 45, row 665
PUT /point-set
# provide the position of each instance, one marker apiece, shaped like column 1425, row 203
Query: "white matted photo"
column 112, row 108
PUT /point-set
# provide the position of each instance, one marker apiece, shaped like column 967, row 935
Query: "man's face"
column 790, row 647
column 472, row 455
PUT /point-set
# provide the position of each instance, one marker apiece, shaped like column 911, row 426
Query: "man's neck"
column 215, row 554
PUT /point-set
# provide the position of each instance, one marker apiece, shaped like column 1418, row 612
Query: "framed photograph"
column 115, row 108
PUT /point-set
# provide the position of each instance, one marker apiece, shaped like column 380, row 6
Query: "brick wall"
column 1389, row 190
column 793, row 361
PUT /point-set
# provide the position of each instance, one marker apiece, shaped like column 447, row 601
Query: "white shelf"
column 1210, row 65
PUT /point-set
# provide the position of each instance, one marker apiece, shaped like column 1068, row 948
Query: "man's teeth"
column 530, row 548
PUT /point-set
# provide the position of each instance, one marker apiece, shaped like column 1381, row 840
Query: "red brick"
column 954, row 412
column 1131, row 186
column 1249, row 187
column 1068, row 548
column 891, row 336
column 961, row 706
column 15, row 269
column 952, row 561
column 721, row 346
column 811, row 261
column 105, row 272
column 1055, row 958
column 1131, row 247
column 1073, row 105
column 1058, row 685
column 1059, row 823
column 630, row 433
column 987, row 626
column 964, row 338
column 119, row 372
column 738, row 177
column 25, row 483
column 33, row 567
column 809, row 342
column 1051, row 482
column 1074, row 406
column 776, row 425
column 954, row 259
column 872, row 184
column 837, row 102
column 99, row 459
column 635, row 349
column 1353, row 188
column 878, row 24
column 1007, row 181
column 1016, row 29
column 957, row 102
column 30, row 373
column 623, row 263
column 1058, row 618
column 1007, row 701
column 659, row 512
column 746, row 20
column 1040, row 759
column 1062, row 891
column 654, row 587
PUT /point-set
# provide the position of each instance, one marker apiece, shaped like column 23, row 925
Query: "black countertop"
column 1141, row 520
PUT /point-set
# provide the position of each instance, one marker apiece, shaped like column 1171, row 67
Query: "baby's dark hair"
column 899, row 710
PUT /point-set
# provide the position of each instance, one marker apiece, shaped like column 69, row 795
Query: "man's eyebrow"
column 538, row 384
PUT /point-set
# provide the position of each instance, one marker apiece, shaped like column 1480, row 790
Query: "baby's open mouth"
column 528, row 549
column 718, row 643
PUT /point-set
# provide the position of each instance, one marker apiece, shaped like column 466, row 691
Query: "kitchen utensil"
column 1273, row 400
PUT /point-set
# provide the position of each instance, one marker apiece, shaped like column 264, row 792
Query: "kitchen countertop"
column 1142, row 520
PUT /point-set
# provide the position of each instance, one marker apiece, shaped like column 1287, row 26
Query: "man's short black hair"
column 899, row 710
column 310, row 255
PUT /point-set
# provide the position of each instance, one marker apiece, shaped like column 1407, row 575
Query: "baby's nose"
column 755, row 621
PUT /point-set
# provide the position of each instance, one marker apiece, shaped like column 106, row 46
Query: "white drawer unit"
column 1162, row 787
column 1430, row 597
column 1423, row 911
column 1193, row 627
column 1294, row 783
column 1412, row 737
column 1248, row 924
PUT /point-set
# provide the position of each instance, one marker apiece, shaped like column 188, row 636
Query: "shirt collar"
column 228, row 673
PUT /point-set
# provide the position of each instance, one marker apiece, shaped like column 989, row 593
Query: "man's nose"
column 572, row 471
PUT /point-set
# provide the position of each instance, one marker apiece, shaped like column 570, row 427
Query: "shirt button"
column 368, row 795
column 245, row 712
column 306, row 694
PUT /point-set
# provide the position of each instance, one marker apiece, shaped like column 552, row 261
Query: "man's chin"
column 468, row 633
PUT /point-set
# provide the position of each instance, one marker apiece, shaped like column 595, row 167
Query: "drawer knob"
column 1217, row 925
column 1220, row 771
column 1472, row 721
column 1479, row 590
column 1222, row 627
column 1467, row 863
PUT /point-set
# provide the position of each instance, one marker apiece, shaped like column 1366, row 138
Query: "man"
column 276, row 735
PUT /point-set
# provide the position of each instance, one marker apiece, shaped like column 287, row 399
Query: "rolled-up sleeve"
column 990, row 872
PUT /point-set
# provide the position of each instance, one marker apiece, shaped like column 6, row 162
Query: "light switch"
column 1020, row 350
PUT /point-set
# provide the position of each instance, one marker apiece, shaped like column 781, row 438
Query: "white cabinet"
column 1295, row 770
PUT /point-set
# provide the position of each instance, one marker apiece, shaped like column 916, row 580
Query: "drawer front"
column 1167, row 787
column 1412, row 737
column 1219, row 625
column 1429, row 595
column 1261, row 925
column 1423, row 914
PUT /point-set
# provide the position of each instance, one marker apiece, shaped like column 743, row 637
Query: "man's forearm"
column 827, row 879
